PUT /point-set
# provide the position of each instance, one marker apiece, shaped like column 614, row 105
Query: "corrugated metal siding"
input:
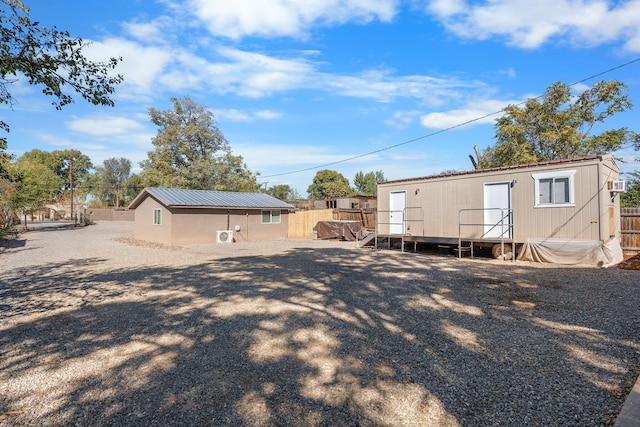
column 223, row 199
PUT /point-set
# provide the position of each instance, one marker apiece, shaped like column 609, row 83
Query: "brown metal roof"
column 502, row 168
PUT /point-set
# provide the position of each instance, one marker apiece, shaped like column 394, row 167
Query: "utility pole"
column 71, row 188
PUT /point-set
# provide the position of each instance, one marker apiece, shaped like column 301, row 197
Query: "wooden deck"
column 459, row 244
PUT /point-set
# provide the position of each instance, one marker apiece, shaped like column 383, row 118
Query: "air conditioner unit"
column 224, row 236
column 619, row 186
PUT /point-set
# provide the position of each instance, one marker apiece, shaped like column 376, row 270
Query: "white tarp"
column 560, row 251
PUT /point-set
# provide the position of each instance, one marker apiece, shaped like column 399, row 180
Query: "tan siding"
column 443, row 197
column 181, row 226
column 610, row 172
column 144, row 227
column 199, row 226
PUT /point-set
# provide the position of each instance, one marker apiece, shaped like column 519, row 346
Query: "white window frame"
column 554, row 175
column 271, row 216
column 157, row 215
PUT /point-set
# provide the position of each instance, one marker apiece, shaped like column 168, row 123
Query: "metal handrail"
column 406, row 221
column 504, row 228
column 378, row 223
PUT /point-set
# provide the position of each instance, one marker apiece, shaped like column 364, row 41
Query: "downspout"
column 228, row 219
column 247, row 226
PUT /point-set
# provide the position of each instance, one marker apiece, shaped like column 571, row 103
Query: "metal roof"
column 174, row 197
column 502, row 168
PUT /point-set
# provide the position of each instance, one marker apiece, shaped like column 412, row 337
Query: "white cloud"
column 234, row 115
column 150, row 32
column 290, row 18
column 142, row 66
column 478, row 112
column 385, row 86
column 402, row 119
column 255, row 75
column 154, row 66
column 104, row 125
column 530, row 24
column 268, row 114
column 65, row 143
column 261, row 156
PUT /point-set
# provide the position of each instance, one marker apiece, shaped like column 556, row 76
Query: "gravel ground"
column 97, row 329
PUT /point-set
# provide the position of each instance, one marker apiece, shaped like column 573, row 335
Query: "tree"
column 112, row 180
column 67, row 165
column 191, row 152
column 7, row 188
column 230, row 173
column 631, row 198
column 327, row 183
column 560, row 125
column 133, row 187
column 366, row 184
column 51, row 59
column 36, row 186
column 284, row 192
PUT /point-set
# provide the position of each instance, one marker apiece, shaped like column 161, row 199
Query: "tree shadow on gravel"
column 315, row 337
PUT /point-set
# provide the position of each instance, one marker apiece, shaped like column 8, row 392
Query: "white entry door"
column 397, row 203
column 497, row 196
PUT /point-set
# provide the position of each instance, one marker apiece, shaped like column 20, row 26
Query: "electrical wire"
column 429, row 135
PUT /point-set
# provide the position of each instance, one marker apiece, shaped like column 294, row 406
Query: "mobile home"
column 564, row 211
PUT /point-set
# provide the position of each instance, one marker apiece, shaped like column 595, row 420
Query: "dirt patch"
column 145, row 244
column 632, row 263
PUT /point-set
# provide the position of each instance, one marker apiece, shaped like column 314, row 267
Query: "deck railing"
column 406, row 223
column 504, row 226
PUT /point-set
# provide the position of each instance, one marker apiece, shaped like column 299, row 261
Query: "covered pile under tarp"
column 572, row 252
column 343, row 230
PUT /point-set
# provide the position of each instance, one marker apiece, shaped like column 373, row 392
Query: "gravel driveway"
column 96, row 330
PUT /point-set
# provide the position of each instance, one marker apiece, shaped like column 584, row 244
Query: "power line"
column 429, row 135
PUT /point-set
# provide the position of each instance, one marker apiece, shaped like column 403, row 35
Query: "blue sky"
column 299, row 84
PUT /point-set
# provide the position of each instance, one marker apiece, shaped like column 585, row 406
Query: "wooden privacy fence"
column 301, row 223
column 630, row 229
column 367, row 217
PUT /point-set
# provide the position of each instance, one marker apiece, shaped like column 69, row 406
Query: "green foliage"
column 50, row 59
column 631, row 198
column 37, row 185
column 327, row 183
column 191, row 152
column 284, row 192
column 559, row 126
column 61, row 163
column 111, row 180
column 366, row 184
column 7, row 188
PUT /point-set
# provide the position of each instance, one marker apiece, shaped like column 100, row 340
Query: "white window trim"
column 558, row 174
column 271, row 216
column 159, row 216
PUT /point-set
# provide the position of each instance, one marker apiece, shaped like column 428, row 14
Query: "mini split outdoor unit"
column 619, row 186
column 224, row 236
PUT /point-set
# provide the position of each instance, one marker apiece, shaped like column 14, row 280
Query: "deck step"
column 366, row 240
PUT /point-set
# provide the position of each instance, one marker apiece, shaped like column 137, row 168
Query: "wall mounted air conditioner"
column 619, row 186
column 224, row 236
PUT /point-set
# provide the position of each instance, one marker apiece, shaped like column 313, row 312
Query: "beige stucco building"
column 183, row 217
